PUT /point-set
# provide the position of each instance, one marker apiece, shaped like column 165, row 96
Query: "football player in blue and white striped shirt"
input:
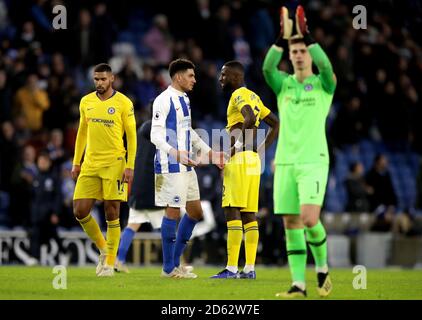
column 176, row 184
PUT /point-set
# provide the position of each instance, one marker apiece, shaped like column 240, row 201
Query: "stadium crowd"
column 44, row 72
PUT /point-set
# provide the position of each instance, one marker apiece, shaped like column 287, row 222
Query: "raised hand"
column 301, row 24
column 286, row 24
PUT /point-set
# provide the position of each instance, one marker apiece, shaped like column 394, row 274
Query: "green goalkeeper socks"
column 317, row 240
column 296, row 253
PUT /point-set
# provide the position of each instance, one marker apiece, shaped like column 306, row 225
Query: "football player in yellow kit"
column 105, row 115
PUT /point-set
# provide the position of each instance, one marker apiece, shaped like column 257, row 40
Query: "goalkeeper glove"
column 302, row 26
column 286, row 24
column 286, row 28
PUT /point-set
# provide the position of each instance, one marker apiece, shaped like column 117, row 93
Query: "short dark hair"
column 180, row 65
column 44, row 154
column 235, row 65
column 102, row 67
column 294, row 40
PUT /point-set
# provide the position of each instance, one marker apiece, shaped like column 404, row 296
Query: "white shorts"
column 153, row 216
column 175, row 189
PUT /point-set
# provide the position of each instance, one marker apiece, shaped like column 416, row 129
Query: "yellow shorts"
column 241, row 181
column 102, row 183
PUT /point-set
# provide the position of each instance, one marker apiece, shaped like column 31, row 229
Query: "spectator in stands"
column 358, row 192
column 159, row 40
column 9, row 153
column 380, row 180
column 60, row 92
column 55, row 148
column 241, row 48
column 27, row 35
column 206, row 86
column 104, row 30
column 67, row 218
column 45, row 206
column 22, row 133
column 218, row 44
column 5, row 95
column 21, row 182
column 31, row 102
column 146, row 89
column 83, row 40
column 351, row 125
column 393, row 125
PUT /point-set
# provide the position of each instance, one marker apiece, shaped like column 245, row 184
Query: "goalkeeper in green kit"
column 301, row 158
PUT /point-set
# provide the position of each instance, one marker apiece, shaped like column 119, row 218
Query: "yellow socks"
column 113, row 238
column 234, row 241
column 92, row 229
column 251, row 242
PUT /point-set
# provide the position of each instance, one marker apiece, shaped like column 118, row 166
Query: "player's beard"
column 103, row 89
column 228, row 88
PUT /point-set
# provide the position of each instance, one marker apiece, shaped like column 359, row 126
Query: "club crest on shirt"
column 111, row 110
column 309, row 87
column 157, row 115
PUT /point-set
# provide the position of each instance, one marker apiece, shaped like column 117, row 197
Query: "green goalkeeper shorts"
column 298, row 184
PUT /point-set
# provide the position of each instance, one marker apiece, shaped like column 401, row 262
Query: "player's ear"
column 112, row 77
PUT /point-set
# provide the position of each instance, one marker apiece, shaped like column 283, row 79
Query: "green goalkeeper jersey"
column 303, row 108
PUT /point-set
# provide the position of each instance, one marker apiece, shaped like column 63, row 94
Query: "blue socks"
column 125, row 242
column 184, row 233
column 168, row 239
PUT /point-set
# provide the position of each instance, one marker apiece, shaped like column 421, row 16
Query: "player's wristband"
column 281, row 42
column 238, row 144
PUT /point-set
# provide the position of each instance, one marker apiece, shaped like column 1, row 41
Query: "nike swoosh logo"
column 89, row 109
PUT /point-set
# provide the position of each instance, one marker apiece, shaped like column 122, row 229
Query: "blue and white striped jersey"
column 171, row 128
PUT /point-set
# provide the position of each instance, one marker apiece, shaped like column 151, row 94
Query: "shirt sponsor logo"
column 107, row 123
column 111, row 110
column 306, row 102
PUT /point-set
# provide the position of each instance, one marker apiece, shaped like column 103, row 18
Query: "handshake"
column 286, row 23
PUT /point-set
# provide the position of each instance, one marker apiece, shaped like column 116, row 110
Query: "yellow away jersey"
column 101, row 128
column 241, row 97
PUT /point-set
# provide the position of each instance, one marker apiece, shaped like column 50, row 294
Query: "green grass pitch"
column 144, row 283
